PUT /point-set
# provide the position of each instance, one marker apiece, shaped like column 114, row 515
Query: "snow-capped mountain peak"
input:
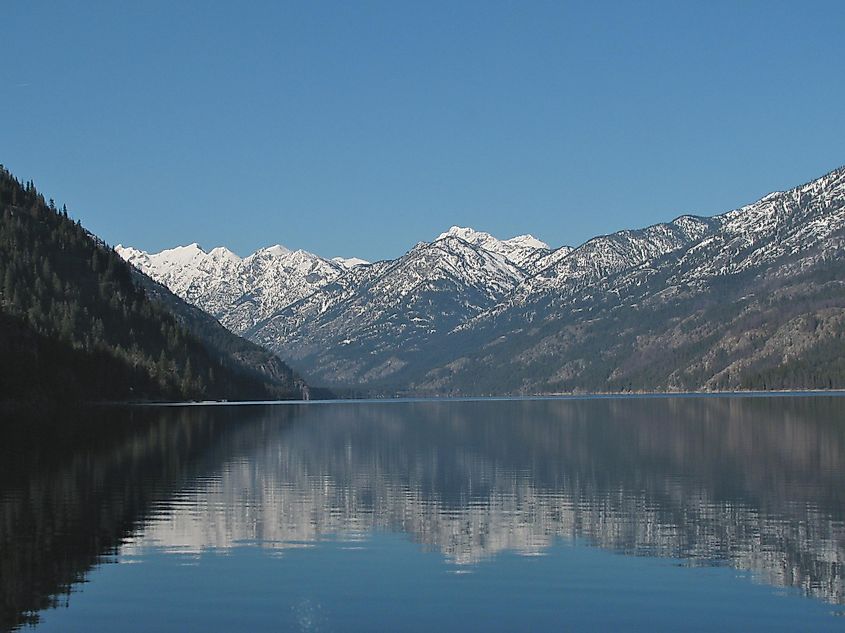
column 526, row 241
column 185, row 253
column 277, row 250
column 127, row 252
column 350, row 262
column 521, row 250
column 221, row 252
column 467, row 234
column 238, row 291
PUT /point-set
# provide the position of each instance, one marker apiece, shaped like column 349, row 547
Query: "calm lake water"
column 651, row 514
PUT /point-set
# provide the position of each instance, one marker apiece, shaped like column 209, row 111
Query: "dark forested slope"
column 77, row 322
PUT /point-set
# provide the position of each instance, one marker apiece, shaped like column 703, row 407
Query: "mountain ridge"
column 421, row 323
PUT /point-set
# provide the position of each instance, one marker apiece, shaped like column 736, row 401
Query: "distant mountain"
column 747, row 299
column 76, row 322
column 751, row 299
column 239, row 292
column 523, row 250
column 374, row 322
column 253, row 296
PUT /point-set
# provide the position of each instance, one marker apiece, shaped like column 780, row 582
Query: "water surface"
column 537, row 515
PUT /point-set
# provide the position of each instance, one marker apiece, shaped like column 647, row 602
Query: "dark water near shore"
column 597, row 514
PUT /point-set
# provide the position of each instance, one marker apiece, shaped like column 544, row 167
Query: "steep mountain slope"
column 263, row 364
column 566, row 270
column 370, row 324
column 238, row 292
column 756, row 301
column 75, row 325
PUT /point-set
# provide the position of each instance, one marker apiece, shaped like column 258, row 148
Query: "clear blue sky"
column 360, row 128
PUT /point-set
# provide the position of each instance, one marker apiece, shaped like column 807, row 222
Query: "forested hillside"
column 77, row 323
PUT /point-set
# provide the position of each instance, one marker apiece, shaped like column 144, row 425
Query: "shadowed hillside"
column 76, row 323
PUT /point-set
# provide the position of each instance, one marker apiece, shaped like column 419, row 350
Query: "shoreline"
column 47, row 407
column 625, row 395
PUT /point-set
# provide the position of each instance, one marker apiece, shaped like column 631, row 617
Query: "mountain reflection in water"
column 753, row 483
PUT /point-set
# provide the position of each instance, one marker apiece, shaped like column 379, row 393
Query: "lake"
column 645, row 514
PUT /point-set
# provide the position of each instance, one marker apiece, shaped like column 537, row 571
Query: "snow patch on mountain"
column 350, row 262
column 522, row 250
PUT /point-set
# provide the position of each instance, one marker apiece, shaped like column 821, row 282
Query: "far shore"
column 491, row 398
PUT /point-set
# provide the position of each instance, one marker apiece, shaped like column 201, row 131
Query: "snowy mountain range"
column 239, row 292
column 244, row 292
column 673, row 306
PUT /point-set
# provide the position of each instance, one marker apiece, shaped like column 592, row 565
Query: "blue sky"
column 360, row 128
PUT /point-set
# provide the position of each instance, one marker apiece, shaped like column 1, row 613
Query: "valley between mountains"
column 750, row 299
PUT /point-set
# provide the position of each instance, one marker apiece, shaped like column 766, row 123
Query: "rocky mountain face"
column 371, row 323
column 239, row 292
column 753, row 298
column 523, row 250
column 748, row 299
column 566, row 270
